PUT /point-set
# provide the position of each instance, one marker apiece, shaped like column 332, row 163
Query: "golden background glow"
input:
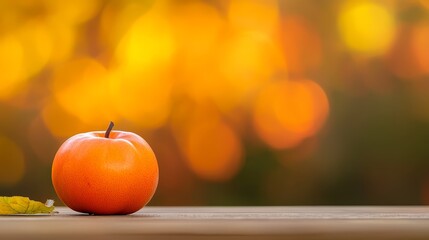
column 237, row 98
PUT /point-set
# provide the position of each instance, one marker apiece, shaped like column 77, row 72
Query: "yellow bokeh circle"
column 366, row 27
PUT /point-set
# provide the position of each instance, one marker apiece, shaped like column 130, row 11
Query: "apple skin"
column 95, row 174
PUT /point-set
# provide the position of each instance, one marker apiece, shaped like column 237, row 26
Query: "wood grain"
column 227, row 223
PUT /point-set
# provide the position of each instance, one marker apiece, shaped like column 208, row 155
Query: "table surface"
column 312, row 222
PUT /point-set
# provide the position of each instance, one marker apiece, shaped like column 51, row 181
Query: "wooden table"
column 226, row 222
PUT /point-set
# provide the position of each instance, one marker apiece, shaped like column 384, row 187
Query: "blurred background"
column 245, row 102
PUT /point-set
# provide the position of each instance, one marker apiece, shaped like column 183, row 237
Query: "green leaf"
column 23, row 205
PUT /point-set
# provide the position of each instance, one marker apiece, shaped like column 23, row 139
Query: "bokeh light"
column 213, row 150
column 248, row 61
column 72, row 13
column 254, row 15
column 420, row 47
column 133, row 97
column 287, row 112
column 37, row 47
column 197, row 47
column 24, row 53
column 116, row 19
column 143, row 58
column 11, row 64
column 78, row 81
column 302, row 45
column 63, row 41
column 367, row 27
column 148, row 44
column 425, row 3
column 237, row 98
column 196, row 38
column 60, row 123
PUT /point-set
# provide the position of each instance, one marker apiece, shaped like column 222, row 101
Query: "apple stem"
column 109, row 129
